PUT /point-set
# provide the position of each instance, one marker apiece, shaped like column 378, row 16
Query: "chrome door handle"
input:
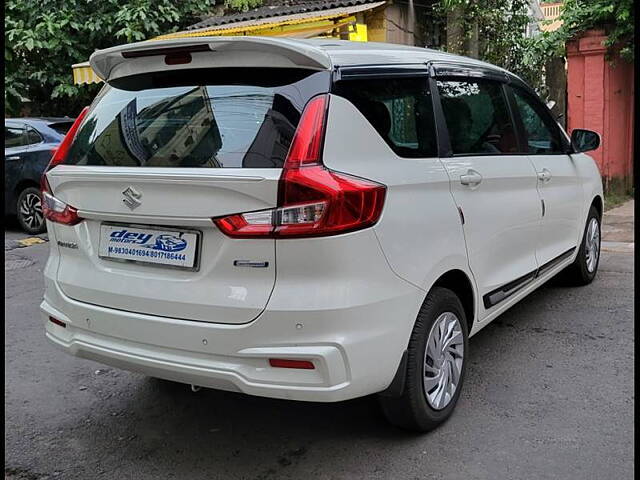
column 13, row 158
column 471, row 178
column 544, row 175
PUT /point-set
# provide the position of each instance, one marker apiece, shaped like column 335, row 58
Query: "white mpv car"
column 310, row 220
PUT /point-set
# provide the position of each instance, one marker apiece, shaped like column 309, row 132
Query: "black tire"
column 29, row 211
column 578, row 273
column 411, row 410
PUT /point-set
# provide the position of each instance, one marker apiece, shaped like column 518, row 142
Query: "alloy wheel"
column 443, row 358
column 31, row 211
column 592, row 245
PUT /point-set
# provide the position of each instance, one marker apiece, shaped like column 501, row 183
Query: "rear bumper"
column 350, row 362
column 353, row 325
column 247, row 371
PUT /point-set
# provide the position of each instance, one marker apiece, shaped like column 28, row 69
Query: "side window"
column 541, row 132
column 477, row 117
column 400, row 110
column 14, row 136
column 33, row 136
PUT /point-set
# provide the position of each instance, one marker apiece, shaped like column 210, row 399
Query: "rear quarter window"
column 14, row 136
column 33, row 136
column 400, row 110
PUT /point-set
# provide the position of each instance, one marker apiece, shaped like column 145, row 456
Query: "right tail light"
column 313, row 201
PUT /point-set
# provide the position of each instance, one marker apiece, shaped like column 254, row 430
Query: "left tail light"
column 313, row 201
column 54, row 209
column 57, row 211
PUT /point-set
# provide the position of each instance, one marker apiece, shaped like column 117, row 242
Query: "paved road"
column 549, row 394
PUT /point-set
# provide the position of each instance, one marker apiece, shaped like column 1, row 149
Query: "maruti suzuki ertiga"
column 309, row 219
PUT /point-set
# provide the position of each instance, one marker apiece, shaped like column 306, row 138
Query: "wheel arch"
column 25, row 183
column 598, row 204
column 459, row 283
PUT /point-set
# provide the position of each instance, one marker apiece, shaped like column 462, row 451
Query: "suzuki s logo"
column 132, row 198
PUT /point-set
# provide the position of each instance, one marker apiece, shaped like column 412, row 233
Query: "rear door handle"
column 13, row 158
column 544, row 175
column 471, row 178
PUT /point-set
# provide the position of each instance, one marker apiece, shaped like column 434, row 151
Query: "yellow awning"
column 82, row 73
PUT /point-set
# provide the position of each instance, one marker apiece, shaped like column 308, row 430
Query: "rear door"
column 558, row 183
column 493, row 185
column 156, row 158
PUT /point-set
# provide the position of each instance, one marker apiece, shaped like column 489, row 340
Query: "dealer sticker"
column 175, row 248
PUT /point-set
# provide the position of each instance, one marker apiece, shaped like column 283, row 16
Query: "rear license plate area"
column 154, row 246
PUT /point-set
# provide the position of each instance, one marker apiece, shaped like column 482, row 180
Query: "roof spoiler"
column 205, row 52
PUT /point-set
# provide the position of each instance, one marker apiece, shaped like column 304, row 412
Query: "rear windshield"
column 225, row 118
column 61, row 127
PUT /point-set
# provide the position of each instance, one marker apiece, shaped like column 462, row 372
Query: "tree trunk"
column 556, row 83
column 455, row 31
column 472, row 43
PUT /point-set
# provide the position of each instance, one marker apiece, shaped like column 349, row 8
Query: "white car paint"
column 502, row 217
column 218, row 292
column 346, row 302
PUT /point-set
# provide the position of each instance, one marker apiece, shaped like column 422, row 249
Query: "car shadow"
column 165, row 426
column 11, row 224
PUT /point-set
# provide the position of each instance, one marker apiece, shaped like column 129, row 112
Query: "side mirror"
column 584, row 140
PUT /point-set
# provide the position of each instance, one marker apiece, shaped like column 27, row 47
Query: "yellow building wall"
column 376, row 25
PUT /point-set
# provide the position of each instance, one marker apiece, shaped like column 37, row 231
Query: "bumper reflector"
column 57, row 322
column 284, row 363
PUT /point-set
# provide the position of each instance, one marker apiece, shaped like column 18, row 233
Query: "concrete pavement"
column 617, row 229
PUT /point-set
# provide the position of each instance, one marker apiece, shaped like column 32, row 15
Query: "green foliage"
column 501, row 33
column 502, row 26
column 43, row 38
column 615, row 17
column 242, row 5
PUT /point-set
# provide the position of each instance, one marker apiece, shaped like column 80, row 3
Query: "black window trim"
column 359, row 72
column 443, row 69
column 565, row 148
column 444, row 142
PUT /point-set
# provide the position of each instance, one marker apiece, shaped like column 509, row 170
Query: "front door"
column 558, row 183
column 493, row 185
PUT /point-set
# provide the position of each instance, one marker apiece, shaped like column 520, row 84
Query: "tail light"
column 54, row 209
column 57, row 211
column 313, row 201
